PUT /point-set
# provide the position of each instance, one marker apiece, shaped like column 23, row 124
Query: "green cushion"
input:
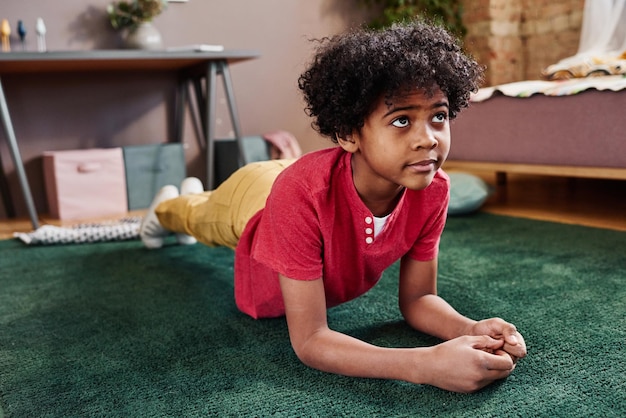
column 467, row 193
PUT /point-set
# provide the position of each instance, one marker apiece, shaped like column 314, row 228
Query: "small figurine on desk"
column 5, row 31
column 21, row 31
column 40, row 28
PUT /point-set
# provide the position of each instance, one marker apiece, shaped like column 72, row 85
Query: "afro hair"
column 350, row 72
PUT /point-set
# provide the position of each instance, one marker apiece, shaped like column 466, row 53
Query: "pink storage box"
column 84, row 184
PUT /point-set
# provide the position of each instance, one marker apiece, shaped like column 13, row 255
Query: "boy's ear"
column 349, row 143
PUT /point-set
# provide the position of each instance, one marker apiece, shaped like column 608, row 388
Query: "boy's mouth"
column 423, row 165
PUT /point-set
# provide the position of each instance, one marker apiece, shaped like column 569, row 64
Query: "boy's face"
column 403, row 142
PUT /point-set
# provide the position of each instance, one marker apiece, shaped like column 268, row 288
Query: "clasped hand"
column 501, row 330
column 487, row 353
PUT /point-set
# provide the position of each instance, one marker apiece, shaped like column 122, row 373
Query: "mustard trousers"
column 218, row 217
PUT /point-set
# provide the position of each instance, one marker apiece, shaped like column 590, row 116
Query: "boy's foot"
column 151, row 232
column 191, row 185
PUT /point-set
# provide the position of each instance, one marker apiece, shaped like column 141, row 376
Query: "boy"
column 317, row 232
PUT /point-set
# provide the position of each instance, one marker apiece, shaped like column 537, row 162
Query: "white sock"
column 191, row 185
column 151, row 231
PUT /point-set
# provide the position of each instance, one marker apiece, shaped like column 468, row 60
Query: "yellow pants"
column 218, row 217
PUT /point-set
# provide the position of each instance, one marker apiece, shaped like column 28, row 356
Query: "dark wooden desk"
column 190, row 68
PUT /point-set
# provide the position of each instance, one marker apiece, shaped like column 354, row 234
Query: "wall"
column 516, row 39
column 56, row 112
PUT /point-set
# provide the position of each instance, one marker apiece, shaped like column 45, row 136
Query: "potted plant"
column 134, row 19
column 446, row 12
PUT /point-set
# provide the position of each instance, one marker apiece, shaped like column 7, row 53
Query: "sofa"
column 573, row 128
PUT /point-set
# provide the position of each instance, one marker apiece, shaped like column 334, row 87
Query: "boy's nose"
column 424, row 138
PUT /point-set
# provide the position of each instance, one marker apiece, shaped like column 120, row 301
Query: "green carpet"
column 114, row 330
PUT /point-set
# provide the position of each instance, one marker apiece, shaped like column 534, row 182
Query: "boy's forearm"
column 432, row 315
column 333, row 352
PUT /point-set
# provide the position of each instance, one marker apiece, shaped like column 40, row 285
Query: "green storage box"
column 150, row 167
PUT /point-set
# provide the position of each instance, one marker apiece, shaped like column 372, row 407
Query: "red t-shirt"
column 315, row 225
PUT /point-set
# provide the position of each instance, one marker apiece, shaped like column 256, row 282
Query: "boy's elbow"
column 307, row 357
column 303, row 357
column 407, row 309
column 308, row 351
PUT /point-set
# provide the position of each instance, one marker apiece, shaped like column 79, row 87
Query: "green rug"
column 115, row 330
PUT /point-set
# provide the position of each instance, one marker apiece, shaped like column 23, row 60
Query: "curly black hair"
column 350, row 72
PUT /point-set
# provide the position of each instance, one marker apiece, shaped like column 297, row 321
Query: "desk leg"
column 200, row 105
column 179, row 110
column 206, row 107
column 234, row 117
column 209, row 123
column 6, row 195
column 17, row 158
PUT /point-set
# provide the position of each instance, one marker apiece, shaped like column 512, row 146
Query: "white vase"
column 144, row 36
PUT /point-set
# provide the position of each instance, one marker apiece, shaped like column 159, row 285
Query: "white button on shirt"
column 379, row 224
column 369, row 231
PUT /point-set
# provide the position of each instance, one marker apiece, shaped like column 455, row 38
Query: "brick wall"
column 516, row 39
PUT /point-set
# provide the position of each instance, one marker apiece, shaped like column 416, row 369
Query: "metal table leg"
column 232, row 106
column 209, row 123
column 179, row 109
column 205, row 102
column 6, row 195
column 17, row 158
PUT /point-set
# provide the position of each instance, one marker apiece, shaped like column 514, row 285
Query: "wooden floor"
column 590, row 202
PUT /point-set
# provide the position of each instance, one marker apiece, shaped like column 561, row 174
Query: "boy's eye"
column 401, row 122
column 440, row 118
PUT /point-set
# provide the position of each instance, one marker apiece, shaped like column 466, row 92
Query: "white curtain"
column 602, row 45
column 604, row 27
column 603, row 31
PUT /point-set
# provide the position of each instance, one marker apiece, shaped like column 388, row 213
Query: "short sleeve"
column 288, row 239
